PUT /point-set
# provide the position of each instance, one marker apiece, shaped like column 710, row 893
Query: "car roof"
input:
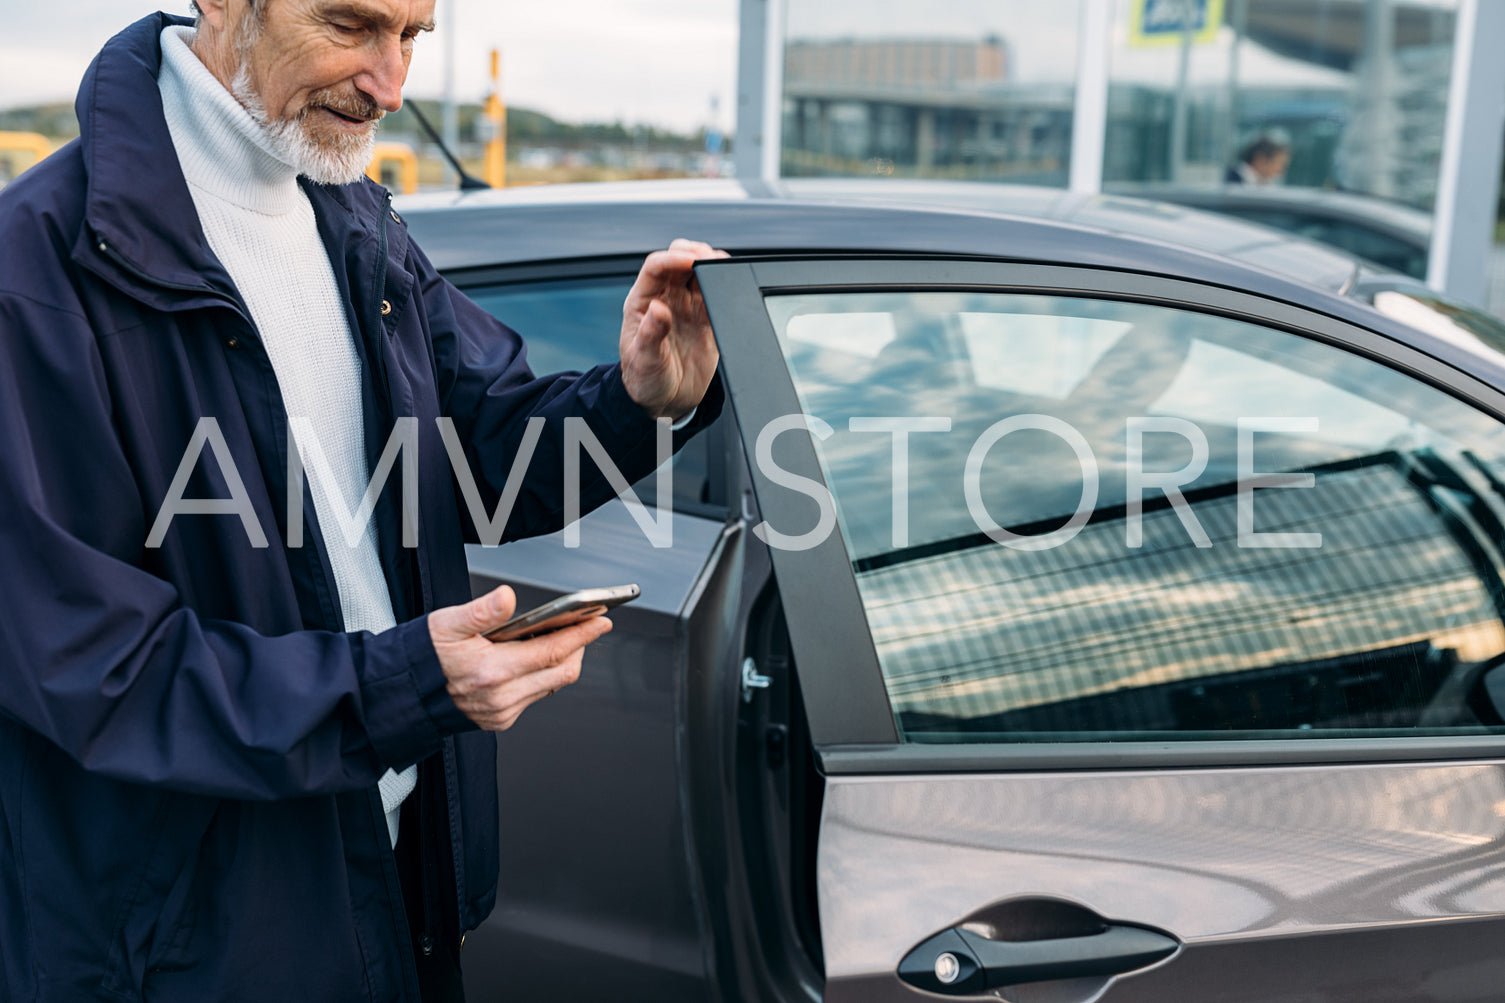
column 1177, row 225
column 1015, row 222
column 489, row 228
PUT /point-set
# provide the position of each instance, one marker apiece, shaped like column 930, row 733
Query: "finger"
column 695, row 247
column 700, row 250
column 498, row 709
column 552, row 680
column 657, row 322
column 508, row 718
column 517, row 659
column 664, row 270
column 666, row 266
column 457, row 623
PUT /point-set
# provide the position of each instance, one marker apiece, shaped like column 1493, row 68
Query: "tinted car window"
column 571, row 325
column 1148, row 521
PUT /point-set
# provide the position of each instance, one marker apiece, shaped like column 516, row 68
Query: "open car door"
column 1147, row 632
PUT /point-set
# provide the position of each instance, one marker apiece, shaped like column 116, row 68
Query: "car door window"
column 1143, row 521
column 570, row 324
column 573, row 324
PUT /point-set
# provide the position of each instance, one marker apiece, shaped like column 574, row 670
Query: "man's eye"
column 349, row 29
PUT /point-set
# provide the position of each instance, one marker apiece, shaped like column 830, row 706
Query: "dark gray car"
column 1386, row 234
column 1059, row 612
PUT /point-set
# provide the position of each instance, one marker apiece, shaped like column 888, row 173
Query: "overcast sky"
column 660, row 62
column 655, row 61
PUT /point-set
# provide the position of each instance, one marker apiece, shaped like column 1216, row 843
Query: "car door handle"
column 959, row 962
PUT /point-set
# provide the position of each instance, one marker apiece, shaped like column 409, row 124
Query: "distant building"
column 895, row 63
column 920, row 107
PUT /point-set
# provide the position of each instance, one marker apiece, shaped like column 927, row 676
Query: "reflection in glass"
column 572, row 325
column 1183, row 616
column 1356, row 90
column 978, row 89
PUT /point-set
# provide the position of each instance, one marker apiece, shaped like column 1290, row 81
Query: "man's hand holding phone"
column 494, row 682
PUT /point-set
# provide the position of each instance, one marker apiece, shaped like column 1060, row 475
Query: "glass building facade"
column 1356, row 92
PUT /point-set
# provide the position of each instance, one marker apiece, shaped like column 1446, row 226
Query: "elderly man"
column 234, row 767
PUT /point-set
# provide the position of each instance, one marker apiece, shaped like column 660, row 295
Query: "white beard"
column 338, row 160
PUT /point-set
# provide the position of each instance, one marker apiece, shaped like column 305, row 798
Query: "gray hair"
column 258, row 11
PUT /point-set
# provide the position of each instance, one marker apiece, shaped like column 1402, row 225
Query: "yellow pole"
column 496, row 114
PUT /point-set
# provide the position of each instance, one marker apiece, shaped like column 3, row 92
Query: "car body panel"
column 1270, row 859
column 1267, row 857
column 594, row 889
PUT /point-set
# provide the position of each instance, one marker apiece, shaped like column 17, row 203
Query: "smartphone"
column 562, row 612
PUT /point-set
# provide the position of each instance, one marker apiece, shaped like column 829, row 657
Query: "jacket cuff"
column 618, row 403
column 408, row 709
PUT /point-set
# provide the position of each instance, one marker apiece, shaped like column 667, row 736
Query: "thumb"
column 457, row 623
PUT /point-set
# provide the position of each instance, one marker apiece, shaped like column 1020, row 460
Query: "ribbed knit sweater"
column 260, row 225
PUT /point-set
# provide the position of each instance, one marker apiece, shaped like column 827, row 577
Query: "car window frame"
column 852, row 724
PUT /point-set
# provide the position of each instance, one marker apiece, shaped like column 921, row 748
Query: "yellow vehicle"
column 20, row 150
column 394, row 165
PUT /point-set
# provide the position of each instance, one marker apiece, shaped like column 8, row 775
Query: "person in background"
column 1263, row 160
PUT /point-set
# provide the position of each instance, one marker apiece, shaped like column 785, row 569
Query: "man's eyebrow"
column 358, row 11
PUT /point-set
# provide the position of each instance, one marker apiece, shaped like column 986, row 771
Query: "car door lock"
column 752, row 679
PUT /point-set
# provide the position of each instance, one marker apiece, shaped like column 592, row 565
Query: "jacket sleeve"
column 488, row 390
column 101, row 657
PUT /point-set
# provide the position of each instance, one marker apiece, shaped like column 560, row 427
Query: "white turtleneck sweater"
column 261, row 227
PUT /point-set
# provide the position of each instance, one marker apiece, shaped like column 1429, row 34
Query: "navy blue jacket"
column 189, row 742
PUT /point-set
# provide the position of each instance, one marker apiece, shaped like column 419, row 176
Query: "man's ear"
column 214, row 41
column 215, row 12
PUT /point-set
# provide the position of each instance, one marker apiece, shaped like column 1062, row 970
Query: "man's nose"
column 384, row 75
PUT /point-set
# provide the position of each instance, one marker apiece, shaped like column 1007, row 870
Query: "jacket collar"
column 138, row 213
column 141, row 230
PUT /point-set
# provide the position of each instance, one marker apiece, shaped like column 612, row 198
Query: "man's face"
column 322, row 72
column 1272, row 166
